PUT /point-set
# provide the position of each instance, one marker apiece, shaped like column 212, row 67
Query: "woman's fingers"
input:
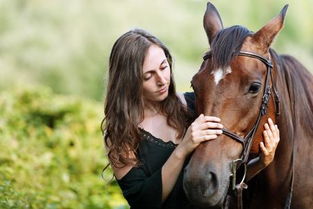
column 264, row 150
column 273, row 128
column 212, row 132
column 208, row 125
column 206, row 122
column 207, row 137
column 204, row 138
column 201, row 135
column 212, row 119
column 271, row 139
column 268, row 142
column 267, row 136
column 271, row 135
column 205, row 128
column 277, row 137
column 203, row 118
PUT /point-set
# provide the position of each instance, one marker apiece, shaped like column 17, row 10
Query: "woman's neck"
column 151, row 109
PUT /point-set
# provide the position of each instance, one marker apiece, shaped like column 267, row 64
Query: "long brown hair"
column 124, row 103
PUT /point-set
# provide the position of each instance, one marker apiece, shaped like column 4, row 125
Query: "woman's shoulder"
column 185, row 97
column 181, row 97
column 188, row 99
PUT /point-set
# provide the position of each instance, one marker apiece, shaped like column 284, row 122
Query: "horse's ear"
column 265, row 36
column 212, row 22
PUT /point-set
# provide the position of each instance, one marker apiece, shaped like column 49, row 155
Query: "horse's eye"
column 254, row 88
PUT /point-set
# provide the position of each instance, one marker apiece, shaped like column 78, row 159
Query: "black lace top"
column 142, row 185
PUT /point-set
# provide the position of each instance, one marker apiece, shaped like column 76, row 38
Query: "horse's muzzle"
column 202, row 191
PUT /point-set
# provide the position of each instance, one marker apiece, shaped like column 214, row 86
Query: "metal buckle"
column 234, row 168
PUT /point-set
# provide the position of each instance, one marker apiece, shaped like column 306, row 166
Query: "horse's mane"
column 227, row 44
column 297, row 81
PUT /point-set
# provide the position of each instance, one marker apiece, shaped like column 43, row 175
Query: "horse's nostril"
column 203, row 189
column 185, row 170
column 209, row 185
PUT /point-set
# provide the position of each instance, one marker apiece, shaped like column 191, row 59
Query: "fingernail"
column 270, row 120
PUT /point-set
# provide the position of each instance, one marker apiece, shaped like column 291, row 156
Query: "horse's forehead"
column 240, row 68
column 251, row 46
column 220, row 74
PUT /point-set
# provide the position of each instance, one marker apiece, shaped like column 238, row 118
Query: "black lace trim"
column 147, row 135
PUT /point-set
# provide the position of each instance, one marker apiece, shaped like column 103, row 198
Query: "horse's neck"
column 282, row 166
column 295, row 87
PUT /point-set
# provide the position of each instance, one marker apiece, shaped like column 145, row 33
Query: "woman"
column 150, row 130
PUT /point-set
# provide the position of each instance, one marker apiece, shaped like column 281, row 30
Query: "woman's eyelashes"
column 147, row 76
column 163, row 67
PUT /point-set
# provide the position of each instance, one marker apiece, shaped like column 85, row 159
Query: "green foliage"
column 51, row 153
column 66, row 44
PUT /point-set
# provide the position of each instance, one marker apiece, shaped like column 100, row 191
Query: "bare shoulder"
column 181, row 97
column 121, row 170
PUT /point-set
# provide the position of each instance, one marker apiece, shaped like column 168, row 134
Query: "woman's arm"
column 204, row 128
column 268, row 148
column 142, row 190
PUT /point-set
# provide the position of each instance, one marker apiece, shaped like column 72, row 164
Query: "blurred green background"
column 53, row 71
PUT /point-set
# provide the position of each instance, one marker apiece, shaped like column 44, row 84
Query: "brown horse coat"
column 230, row 87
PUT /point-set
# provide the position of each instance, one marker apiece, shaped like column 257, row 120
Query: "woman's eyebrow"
column 149, row 71
column 163, row 61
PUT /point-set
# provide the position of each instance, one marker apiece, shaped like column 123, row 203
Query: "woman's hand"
column 204, row 128
column 271, row 139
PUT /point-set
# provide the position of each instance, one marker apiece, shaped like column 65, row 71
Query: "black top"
column 142, row 185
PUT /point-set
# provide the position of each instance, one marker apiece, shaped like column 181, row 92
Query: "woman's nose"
column 161, row 79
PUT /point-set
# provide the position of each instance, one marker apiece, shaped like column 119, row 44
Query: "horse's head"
column 229, row 85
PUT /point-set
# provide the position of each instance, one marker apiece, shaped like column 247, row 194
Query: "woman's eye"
column 164, row 67
column 254, row 88
column 147, row 76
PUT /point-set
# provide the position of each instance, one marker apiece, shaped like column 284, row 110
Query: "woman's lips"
column 162, row 90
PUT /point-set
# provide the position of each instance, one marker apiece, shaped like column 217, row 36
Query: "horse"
column 243, row 81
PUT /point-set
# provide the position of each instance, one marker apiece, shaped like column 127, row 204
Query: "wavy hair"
column 124, row 101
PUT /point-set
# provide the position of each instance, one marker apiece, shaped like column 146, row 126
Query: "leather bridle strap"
column 248, row 139
column 267, row 62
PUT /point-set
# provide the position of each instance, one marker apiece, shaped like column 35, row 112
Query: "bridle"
column 248, row 139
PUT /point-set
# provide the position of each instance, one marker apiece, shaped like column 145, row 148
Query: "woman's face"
column 156, row 75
